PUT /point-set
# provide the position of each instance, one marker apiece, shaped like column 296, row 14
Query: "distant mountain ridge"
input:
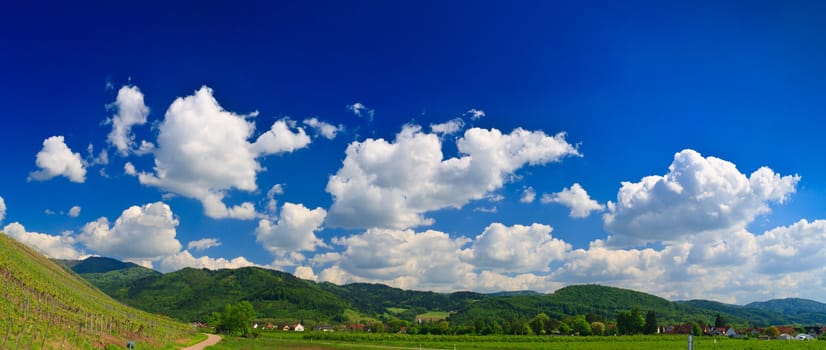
column 789, row 306
column 192, row 294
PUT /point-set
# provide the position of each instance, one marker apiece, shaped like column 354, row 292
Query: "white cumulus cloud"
column 575, row 198
column 448, row 128
column 697, row 194
column 305, row 272
column 55, row 247
column 281, row 139
column 2, row 209
column 294, row 230
column 203, row 152
column 56, row 159
column 74, row 211
column 130, row 111
column 203, row 244
column 403, row 258
column 515, row 248
column 129, row 169
column 800, row 247
column 392, row 184
column 324, row 129
column 185, row 259
column 140, row 233
column 528, row 195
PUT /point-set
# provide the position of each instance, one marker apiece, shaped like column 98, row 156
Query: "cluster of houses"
column 295, row 327
column 786, row 332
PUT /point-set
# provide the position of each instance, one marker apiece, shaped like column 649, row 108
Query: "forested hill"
column 193, row 294
column 601, row 301
column 790, row 306
column 378, row 298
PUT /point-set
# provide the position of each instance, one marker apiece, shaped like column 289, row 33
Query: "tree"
column 719, row 321
column 695, row 329
column 580, row 326
column 650, row 323
column 236, row 318
column 539, row 323
column 630, row 322
column 772, row 331
column 597, row 328
column 564, row 328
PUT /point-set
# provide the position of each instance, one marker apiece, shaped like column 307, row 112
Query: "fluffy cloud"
column 575, row 198
column 305, row 272
column 528, row 195
column 146, row 232
column 56, row 247
column 281, row 139
column 515, row 248
column 327, row 130
column 402, row 258
column 203, row 152
column 130, row 111
column 799, row 247
column 74, row 211
column 129, row 169
column 361, row 111
column 384, row 184
column 294, row 230
column 203, row 244
column 696, row 195
column 185, row 259
column 2, row 209
column 432, row 260
column 448, row 128
column 56, row 159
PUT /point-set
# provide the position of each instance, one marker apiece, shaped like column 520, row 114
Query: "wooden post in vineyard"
column 8, row 331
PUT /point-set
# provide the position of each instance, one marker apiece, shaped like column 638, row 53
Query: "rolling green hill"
column 44, row 305
column 193, row 294
column 602, row 301
column 790, row 306
column 112, row 276
column 377, row 298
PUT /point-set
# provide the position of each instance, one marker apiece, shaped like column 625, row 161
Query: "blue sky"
column 669, row 147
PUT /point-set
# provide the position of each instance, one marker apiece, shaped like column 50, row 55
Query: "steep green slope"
column 44, row 305
column 193, row 294
column 606, row 302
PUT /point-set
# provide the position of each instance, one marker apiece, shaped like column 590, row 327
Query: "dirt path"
column 212, row 339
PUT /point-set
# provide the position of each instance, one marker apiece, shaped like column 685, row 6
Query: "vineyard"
column 44, row 306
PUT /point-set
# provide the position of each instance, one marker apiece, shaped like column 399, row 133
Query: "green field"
column 343, row 340
column 433, row 316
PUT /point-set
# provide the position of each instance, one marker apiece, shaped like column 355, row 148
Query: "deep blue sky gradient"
column 633, row 82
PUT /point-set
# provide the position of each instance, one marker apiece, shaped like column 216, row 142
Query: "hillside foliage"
column 194, row 294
